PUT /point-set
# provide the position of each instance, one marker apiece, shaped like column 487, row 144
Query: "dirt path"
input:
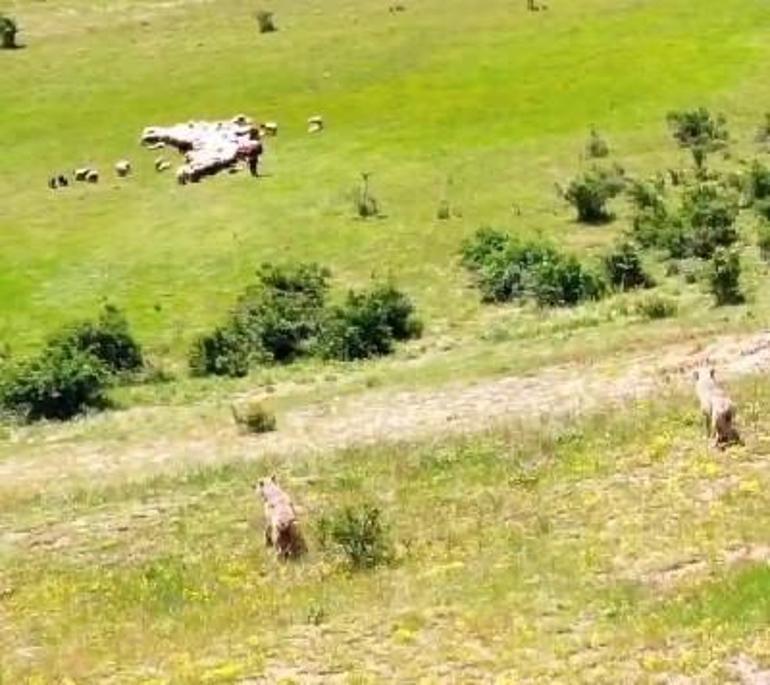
column 378, row 417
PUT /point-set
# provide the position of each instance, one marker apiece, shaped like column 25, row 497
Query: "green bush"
column 564, row 282
column 763, row 239
column 368, row 324
column 699, row 131
column 624, row 268
column 590, row 193
column 108, row 339
column 648, row 195
column 724, row 277
column 8, row 31
column 265, row 21
column 481, row 246
column 508, row 276
column 711, row 212
column 62, row 382
column 758, row 183
column 656, row 307
column 359, row 533
column 254, row 417
column 223, row 352
column 596, row 147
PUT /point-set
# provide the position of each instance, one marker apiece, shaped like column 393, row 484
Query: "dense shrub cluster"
column 285, row 316
column 724, row 277
column 590, row 193
column 73, row 371
column 699, row 131
column 359, row 534
column 624, row 268
column 507, row 270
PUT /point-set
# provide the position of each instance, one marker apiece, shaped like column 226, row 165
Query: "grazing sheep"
column 81, row 173
column 92, row 176
column 123, row 168
column 282, row 531
column 63, row 182
column 52, row 183
column 269, row 128
column 162, row 165
column 315, row 124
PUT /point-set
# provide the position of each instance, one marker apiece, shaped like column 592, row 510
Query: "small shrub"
column 358, row 533
column 508, row 275
column 624, row 268
column 254, row 417
column 108, row 339
column 368, row 323
column 366, row 204
column 590, row 193
column 479, row 248
column 711, row 213
column 596, row 147
column 647, row 195
column 8, row 31
column 60, row 383
column 758, row 183
column 656, row 307
column 564, row 282
column 444, row 211
column 699, row 131
column 724, row 277
column 223, row 352
column 265, row 21
column 763, row 239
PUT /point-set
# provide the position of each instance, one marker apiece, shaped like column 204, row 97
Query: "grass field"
column 614, row 547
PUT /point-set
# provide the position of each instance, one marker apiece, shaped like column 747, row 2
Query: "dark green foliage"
column 62, row 382
column 8, row 32
column 648, row 195
column 282, row 312
column 624, row 268
column 763, row 239
column 223, row 352
column 564, row 282
column 359, row 533
column 711, row 213
column 596, row 147
column 590, row 193
column 758, row 183
column 108, row 339
column 368, row 324
column 724, row 277
column 485, row 242
column 656, row 307
column 699, row 131
column 265, row 22
column 509, row 275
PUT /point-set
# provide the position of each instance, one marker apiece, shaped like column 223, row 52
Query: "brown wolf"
column 281, row 530
column 718, row 409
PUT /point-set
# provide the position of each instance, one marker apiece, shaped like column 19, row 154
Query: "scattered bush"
column 699, row 131
column 662, row 229
column 596, row 147
column 648, row 195
column 758, row 182
column 656, row 307
column 265, row 21
column 62, row 382
column 624, row 268
column 724, row 277
column 477, row 250
column 368, row 324
column 763, row 239
column 223, row 352
column 711, row 214
column 359, row 533
column 366, row 204
column 8, row 31
column 254, row 417
column 109, row 339
column 590, row 193
column 564, row 282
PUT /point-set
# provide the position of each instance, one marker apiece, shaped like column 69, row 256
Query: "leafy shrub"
column 265, row 21
column 281, row 314
column 366, row 204
column 699, row 131
column 509, row 275
column 477, row 250
column 108, row 339
column 223, row 352
column 596, row 147
column 711, row 214
column 564, row 282
column 724, row 277
column 359, row 533
column 368, row 323
column 763, row 239
column 624, row 268
column 60, row 383
column 656, row 307
column 758, row 184
column 8, row 31
column 254, row 417
column 662, row 229
column 590, row 193
column 647, row 195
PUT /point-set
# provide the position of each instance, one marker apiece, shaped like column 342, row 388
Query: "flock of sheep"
column 207, row 147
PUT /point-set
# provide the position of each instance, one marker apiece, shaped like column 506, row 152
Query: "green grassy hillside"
column 499, row 100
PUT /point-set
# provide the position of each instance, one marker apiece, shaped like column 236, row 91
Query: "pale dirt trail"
column 387, row 417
